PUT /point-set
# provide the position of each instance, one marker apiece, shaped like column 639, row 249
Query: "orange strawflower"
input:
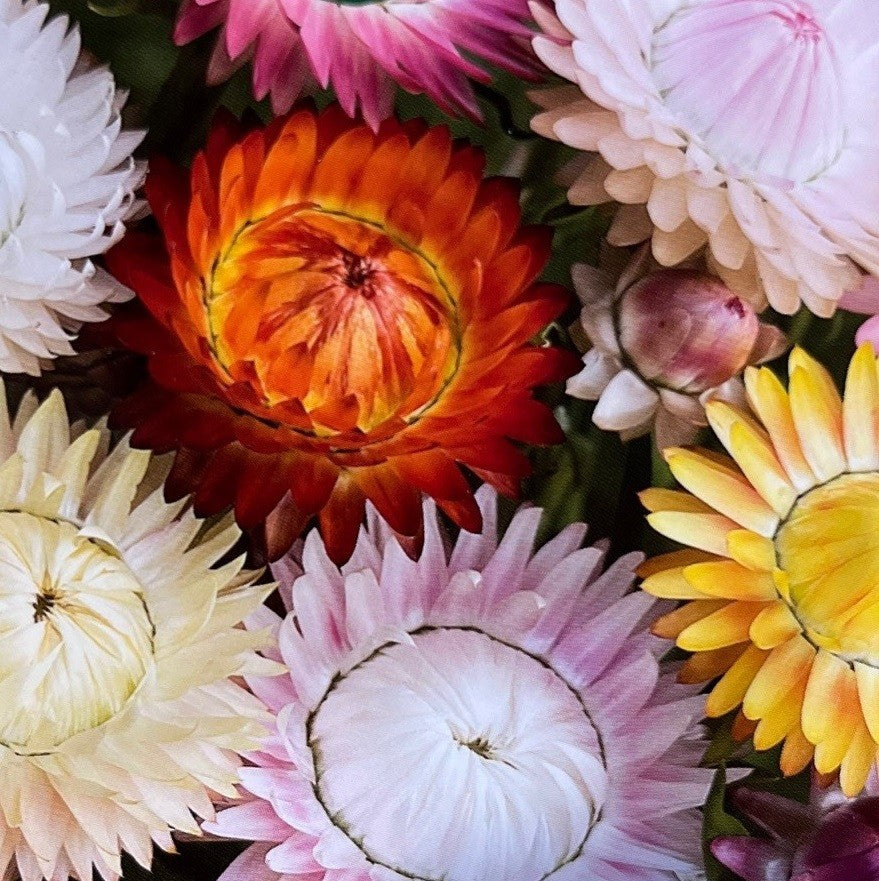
column 338, row 315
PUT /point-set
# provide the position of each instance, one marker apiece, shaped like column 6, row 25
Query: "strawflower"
column 67, row 183
column 828, row 840
column 338, row 315
column 364, row 48
column 119, row 717
column 483, row 713
column 782, row 572
column 748, row 126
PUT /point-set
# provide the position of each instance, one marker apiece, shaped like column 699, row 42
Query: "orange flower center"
column 335, row 312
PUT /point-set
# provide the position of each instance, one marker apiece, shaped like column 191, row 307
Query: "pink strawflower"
column 363, row 47
column 745, row 127
column 482, row 714
column 865, row 301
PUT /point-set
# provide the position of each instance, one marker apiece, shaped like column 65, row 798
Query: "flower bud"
column 807, row 844
column 686, row 330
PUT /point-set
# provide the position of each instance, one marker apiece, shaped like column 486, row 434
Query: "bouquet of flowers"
column 326, row 327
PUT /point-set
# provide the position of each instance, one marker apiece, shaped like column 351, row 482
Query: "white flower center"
column 75, row 636
column 472, row 760
column 758, row 81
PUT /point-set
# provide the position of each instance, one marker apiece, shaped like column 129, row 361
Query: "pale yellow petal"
column 727, row 626
column 858, row 762
column 774, row 625
column 731, row 690
column 673, row 560
column 724, row 488
column 867, row 678
column 671, row 585
column 707, row 532
column 760, row 465
column 726, row 579
column 826, row 683
column 785, row 669
column 751, row 550
column 782, row 719
column 771, row 403
column 817, row 411
column 861, row 411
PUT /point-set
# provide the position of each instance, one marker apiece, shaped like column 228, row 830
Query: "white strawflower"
column 119, row 722
column 746, row 125
column 66, row 185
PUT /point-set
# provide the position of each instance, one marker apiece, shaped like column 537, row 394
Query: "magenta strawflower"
column 828, row 840
column 483, row 714
column 363, row 47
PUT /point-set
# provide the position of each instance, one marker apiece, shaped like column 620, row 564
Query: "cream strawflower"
column 118, row 719
column 66, row 185
column 484, row 714
column 751, row 126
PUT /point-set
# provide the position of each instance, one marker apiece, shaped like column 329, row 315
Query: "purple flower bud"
column 804, row 845
column 686, row 330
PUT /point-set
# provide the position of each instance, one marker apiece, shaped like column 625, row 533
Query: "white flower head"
column 661, row 344
column 119, row 722
column 67, row 182
column 749, row 126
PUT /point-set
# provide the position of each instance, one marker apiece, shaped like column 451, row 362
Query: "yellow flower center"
column 75, row 635
column 333, row 312
column 829, row 549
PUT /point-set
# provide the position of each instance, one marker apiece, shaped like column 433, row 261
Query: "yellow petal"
column 728, row 580
column 756, row 457
column 796, row 753
column 774, row 625
column 673, row 560
column 861, row 411
column 785, row 669
column 727, row 626
column 731, row 690
column 831, row 751
column 817, row 412
column 659, row 499
column 771, row 403
column 858, row 762
column 671, row 585
column 783, row 718
column 826, row 683
column 670, row 626
column 751, row 550
column 867, row 679
column 705, row 666
column 724, row 488
column 708, row 532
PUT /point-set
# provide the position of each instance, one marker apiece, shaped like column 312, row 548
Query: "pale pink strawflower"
column 481, row 714
column 865, row 301
column 362, row 48
column 662, row 343
column 749, row 126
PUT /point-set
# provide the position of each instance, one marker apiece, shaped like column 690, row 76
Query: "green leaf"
column 715, row 822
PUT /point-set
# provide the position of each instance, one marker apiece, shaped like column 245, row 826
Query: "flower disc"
column 512, row 742
column 330, row 309
column 76, row 633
